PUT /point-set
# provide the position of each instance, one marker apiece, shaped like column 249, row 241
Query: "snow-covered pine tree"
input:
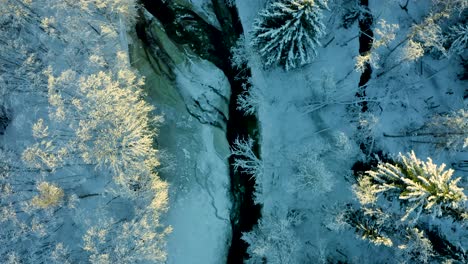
column 288, row 32
column 397, row 200
column 424, row 186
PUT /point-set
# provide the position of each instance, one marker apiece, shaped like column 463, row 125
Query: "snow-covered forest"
column 233, row 131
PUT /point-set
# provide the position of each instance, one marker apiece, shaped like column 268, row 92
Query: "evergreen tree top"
column 287, row 32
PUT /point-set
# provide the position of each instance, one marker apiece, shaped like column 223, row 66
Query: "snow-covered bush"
column 350, row 12
column 422, row 186
column 412, row 51
column 370, row 58
column 288, row 32
column 129, row 241
column 385, row 33
column 246, row 161
column 311, row 175
column 368, row 125
column 29, row 215
column 273, row 241
column 49, row 195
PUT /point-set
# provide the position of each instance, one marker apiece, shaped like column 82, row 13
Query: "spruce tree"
column 288, row 32
column 424, row 186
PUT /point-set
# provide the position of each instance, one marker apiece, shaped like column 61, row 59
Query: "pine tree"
column 402, row 204
column 424, row 186
column 288, row 32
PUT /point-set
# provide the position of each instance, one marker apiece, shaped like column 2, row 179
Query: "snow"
column 205, row 89
column 200, row 213
column 205, row 9
column 194, row 150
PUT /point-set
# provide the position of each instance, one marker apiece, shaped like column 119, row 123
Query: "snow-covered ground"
column 193, row 97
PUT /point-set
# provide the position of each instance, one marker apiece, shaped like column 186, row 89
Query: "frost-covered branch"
column 315, row 106
column 451, row 130
column 459, row 37
column 245, row 158
column 248, row 101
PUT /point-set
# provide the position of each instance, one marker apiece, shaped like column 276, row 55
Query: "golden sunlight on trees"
column 406, row 204
column 104, row 121
column 49, row 195
column 424, row 185
column 92, row 139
